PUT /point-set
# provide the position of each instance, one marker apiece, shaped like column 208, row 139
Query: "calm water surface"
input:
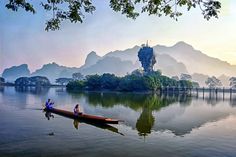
column 153, row 125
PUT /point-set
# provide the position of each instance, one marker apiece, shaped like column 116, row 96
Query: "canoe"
column 84, row 117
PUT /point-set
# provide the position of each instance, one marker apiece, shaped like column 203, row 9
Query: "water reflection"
column 60, row 89
column 32, row 90
column 145, row 122
column 133, row 101
column 1, row 89
column 179, row 114
column 145, row 113
column 49, row 115
column 175, row 125
column 147, row 103
column 76, row 123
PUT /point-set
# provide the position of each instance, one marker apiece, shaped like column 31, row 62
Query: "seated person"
column 77, row 110
column 49, row 104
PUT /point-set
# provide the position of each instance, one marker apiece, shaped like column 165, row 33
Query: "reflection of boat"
column 84, row 117
column 81, row 119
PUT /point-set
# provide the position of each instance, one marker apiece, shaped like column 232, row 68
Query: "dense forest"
column 132, row 82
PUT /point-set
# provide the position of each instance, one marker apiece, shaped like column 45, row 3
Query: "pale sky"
column 23, row 39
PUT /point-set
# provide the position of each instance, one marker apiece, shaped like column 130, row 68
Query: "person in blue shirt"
column 49, row 104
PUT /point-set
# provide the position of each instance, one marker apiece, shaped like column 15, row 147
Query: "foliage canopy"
column 129, row 83
column 74, row 10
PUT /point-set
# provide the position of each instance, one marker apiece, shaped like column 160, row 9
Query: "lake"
column 154, row 125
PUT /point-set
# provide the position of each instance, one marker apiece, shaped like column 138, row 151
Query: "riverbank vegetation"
column 132, row 82
column 32, row 81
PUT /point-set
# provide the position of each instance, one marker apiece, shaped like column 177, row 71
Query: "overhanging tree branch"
column 75, row 10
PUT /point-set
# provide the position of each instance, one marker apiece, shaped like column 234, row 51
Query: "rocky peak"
column 91, row 58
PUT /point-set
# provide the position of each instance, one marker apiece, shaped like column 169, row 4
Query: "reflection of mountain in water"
column 133, row 101
column 182, row 121
column 179, row 114
column 147, row 103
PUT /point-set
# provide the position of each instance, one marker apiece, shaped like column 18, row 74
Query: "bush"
column 75, row 85
column 93, row 82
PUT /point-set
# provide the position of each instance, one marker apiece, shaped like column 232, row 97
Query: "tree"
column 185, row 77
column 63, row 81
column 22, row 81
column 195, row 85
column 167, row 82
column 213, row 82
column 75, row 85
column 175, row 78
column 232, row 81
column 77, row 76
column 93, row 82
column 74, row 10
column 185, row 84
column 109, row 81
column 2, row 80
column 32, row 81
column 39, row 81
column 136, row 83
column 137, row 72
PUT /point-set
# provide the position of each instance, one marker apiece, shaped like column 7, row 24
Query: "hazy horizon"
column 40, row 66
column 23, row 39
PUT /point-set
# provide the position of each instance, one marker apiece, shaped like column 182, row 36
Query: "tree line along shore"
column 136, row 81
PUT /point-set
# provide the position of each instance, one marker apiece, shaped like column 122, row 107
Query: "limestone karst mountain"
column 196, row 61
column 10, row 74
column 53, row 71
column 172, row 61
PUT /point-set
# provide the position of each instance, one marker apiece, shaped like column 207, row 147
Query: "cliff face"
column 12, row 73
column 147, row 58
column 92, row 58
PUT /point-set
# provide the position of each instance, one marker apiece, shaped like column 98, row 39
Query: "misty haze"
column 118, row 78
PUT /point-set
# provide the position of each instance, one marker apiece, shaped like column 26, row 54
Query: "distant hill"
column 117, row 62
column 53, row 71
column 130, row 54
column 196, row 61
column 172, row 61
column 167, row 64
column 10, row 74
column 110, row 65
column 224, row 80
column 90, row 60
column 200, row 78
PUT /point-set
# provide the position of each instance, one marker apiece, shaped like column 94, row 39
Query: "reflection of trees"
column 146, row 102
column 60, row 89
column 133, row 101
column 145, row 122
column 185, row 99
column 1, row 89
column 232, row 102
column 32, row 90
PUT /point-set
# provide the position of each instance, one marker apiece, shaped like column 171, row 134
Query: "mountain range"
column 172, row 61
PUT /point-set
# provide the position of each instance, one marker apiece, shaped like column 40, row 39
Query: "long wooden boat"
column 84, row 117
